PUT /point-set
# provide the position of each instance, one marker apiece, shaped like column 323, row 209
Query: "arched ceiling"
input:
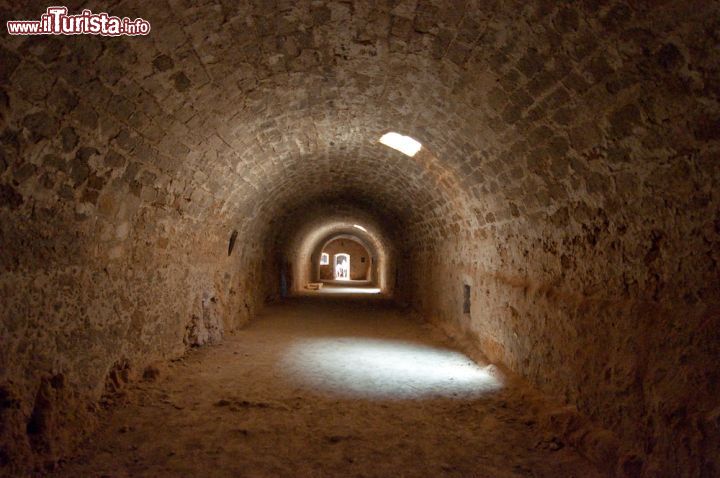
column 348, row 237
column 243, row 108
column 235, row 112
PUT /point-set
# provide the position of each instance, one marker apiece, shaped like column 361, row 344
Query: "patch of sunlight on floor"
column 349, row 290
column 386, row 369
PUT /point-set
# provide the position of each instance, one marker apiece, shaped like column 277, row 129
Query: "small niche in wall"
column 231, row 244
column 362, row 259
column 466, row 299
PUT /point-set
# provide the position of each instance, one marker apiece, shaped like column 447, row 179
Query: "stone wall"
column 84, row 293
column 106, row 265
column 641, row 366
column 597, row 277
column 76, row 309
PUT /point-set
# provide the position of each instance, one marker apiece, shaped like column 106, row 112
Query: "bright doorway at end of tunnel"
column 342, row 266
column 368, row 368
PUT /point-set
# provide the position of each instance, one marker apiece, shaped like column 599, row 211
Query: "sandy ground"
column 326, row 387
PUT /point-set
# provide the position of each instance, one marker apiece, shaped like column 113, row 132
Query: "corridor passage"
column 334, row 385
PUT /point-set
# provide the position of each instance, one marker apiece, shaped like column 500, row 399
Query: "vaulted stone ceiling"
column 228, row 102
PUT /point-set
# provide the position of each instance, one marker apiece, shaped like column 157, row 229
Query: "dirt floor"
column 326, row 387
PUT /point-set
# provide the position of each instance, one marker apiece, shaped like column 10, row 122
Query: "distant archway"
column 312, row 240
column 361, row 259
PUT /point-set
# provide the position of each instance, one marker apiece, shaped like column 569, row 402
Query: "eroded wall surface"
column 597, row 278
column 107, row 264
column 88, row 313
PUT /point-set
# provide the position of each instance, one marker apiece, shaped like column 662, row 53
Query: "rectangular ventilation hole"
column 466, row 299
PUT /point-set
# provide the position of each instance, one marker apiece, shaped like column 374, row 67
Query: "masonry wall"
column 640, row 365
column 106, row 267
column 83, row 315
column 597, row 279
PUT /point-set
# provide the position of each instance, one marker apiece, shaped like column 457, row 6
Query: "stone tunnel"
column 175, row 205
